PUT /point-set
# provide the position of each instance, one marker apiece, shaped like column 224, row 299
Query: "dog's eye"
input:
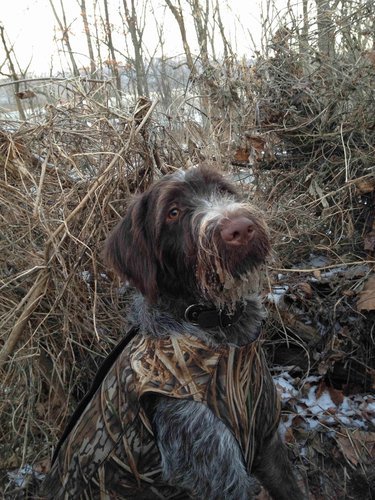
column 173, row 213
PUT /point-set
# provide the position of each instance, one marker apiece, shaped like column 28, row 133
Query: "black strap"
column 99, row 377
column 210, row 317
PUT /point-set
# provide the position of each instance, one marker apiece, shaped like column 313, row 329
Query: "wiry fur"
column 186, row 258
column 178, row 261
column 221, row 473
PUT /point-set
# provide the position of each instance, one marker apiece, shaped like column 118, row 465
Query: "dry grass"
column 64, row 184
column 67, row 178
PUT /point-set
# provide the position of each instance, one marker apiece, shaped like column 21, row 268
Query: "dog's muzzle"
column 238, row 231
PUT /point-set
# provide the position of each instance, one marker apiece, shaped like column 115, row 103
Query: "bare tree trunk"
column 160, row 70
column 303, row 37
column 13, row 74
column 177, row 13
column 304, row 40
column 136, row 34
column 226, row 45
column 201, row 16
column 111, row 48
column 65, row 35
column 97, row 39
column 326, row 30
column 88, row 37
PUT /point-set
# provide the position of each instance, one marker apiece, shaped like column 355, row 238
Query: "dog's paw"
column 247, row 489
column 254, row 487
column 253, row 490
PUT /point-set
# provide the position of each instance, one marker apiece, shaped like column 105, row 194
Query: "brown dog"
column 185, row 407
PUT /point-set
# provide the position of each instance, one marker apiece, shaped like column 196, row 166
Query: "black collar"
column 210, row 317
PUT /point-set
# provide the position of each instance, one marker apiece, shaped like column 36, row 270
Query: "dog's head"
column 189, row 235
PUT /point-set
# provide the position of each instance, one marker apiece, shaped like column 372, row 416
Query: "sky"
column 31, row 28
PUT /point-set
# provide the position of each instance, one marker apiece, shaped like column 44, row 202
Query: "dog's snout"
column 238, row 231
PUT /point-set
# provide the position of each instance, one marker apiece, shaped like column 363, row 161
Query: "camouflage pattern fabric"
column 111, row 453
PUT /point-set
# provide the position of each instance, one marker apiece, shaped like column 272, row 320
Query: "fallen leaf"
column 337, row 396
column 43, row 466
column 242, row 155
column 366, row 298
column 320, row 389
column 317, row 274
column 306, row 289
column 365, row 185
column 298, row 420
column 357, row 446
column 318, row 445
column 289, row 436
column 26, row 94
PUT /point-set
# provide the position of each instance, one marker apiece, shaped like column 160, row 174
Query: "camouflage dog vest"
column 110, row 451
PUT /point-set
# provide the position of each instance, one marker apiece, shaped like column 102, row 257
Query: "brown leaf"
column 242, row 155
column 26, row 94
column 256, row 142
column 357, row 446
column 306, row 289
column 365, row 185
column 289, row 436
column 317, row 274
column 43, row 466
column 336, row 395
column 318, row 445
column 366, row 298
column 320, row 389
column 298, row 420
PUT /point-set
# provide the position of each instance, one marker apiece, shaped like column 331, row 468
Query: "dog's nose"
column 238, row 231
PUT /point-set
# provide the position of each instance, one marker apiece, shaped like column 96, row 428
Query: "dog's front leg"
column 273, row 469
column 199, row 453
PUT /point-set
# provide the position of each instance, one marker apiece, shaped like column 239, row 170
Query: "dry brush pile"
column 64, row 183
column 66, row 179
column 313, row 145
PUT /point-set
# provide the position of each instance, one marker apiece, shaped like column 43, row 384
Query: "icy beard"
column 225, row 276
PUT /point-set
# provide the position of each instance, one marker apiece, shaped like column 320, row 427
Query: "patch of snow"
column 355, row 411
column 286, row 389
column 312, row 378
column 323, row 403
column 86, row 276
column 310, row 400
column 20, row 477
column 244, row 176
column 277, row 294
column 313, row 424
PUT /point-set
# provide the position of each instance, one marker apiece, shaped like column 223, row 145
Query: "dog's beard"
column 225, row 274
column 224, row 290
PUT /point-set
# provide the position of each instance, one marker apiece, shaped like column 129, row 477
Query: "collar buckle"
column 210, row 317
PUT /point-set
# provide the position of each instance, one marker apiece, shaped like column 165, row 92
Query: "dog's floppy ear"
column 129, row 250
